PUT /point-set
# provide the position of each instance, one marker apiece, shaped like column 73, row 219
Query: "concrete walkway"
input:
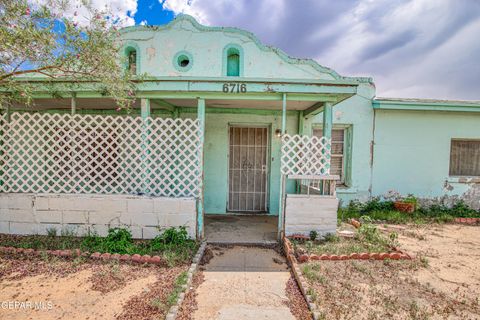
column 244, row 283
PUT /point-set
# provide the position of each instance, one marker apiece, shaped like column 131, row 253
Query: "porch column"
column 281, row 205
column 327, row 120
column 200, row 208
column 73, row 103
column 327, row 125
column 145, row 114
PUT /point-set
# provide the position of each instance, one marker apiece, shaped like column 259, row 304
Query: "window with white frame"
column 465, row 157
column 337, row 164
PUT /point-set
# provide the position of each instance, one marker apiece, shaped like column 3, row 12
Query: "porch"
column 172, row 144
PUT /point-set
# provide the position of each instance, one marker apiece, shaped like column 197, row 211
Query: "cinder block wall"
column 25, row 213
column 305, row 213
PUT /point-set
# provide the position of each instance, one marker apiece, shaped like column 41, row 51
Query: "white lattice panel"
column 61, row 153
column 303, row 155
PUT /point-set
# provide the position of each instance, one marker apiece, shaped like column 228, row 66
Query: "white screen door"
column 248, row 169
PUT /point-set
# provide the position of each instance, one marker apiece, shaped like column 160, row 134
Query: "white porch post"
column 200, row 207
column 281, row 205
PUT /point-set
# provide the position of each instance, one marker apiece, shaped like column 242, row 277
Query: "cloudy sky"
column 416, row 48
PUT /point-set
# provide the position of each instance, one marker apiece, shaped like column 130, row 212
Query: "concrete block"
column 75, row 216
column 100, row 217
column 4, row 227
column 165, row 205
column 20, row 215
column 41, row 203
column 111, row 204
column 140, row 205
column 20, row 201
column 145, row 219
column 58, row 202
column 3, row 200
column 177, row 220
column 187, row 206
column 48, row 216
column 23, row 228
column 150, row 232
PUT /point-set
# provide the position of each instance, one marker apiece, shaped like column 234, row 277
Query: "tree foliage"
column 41, row 41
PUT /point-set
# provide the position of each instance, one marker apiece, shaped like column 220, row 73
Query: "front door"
column 247, row 170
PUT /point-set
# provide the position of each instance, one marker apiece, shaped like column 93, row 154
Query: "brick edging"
column 467, row 220
column 302, row 283
column 396, row 255
column 172, row 312
column 78, row 253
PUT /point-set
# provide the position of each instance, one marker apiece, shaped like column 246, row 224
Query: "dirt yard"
column 442, row 282
column 54, row 288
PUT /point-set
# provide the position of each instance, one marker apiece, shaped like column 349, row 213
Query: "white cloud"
column 124, row 10
column 420, row 48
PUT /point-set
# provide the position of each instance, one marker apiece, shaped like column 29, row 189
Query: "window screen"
column 465, row 158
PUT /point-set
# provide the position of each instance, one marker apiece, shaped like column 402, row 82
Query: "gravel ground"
column 189, row 305
column 296, row 302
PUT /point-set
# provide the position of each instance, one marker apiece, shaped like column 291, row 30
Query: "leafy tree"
column 41, row 41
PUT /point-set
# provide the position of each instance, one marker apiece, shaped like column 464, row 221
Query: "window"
column 132, row 60
column 465, row 158
column 338, row 146
column 233, row 63
column 232, row 60
column 183, row 61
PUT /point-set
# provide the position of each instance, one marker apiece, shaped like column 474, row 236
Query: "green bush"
column 384, row 210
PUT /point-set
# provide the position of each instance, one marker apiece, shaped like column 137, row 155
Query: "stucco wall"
column 412, row 153
column 36, row 213
column 158, row 46
column 305, row 213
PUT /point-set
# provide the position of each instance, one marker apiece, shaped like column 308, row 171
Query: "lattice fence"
column 303, row 155
column 61, row 153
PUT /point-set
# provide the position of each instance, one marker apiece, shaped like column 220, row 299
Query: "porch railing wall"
column 304, row 155
column 63, row 153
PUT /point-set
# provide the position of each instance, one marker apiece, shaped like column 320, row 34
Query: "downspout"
column 372, row 151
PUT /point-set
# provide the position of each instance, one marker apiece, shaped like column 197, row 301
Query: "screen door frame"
column 268, row 128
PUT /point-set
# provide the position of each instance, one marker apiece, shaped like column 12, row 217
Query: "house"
column 224, row 124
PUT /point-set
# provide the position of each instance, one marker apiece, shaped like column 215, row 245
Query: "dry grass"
column 441, row 282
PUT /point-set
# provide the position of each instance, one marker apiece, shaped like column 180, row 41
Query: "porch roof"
column 222, row 92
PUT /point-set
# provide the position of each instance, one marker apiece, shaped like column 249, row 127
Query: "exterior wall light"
column 278, row 133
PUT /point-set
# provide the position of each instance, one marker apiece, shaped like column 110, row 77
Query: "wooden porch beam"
column 162, row 104
column 313, row 110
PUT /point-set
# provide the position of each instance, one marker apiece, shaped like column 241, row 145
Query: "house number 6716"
column 234, row 88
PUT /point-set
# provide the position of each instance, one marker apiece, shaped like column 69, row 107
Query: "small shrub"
column 52, row 232
column 118, row 240
column 68, row 232
column 313, row 235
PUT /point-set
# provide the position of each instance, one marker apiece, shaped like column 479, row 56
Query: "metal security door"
column 247, row 169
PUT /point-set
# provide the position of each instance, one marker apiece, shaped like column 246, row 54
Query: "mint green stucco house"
column 235, row 100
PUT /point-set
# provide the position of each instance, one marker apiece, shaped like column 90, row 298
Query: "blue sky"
column 412, row 48
column 153, row 12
